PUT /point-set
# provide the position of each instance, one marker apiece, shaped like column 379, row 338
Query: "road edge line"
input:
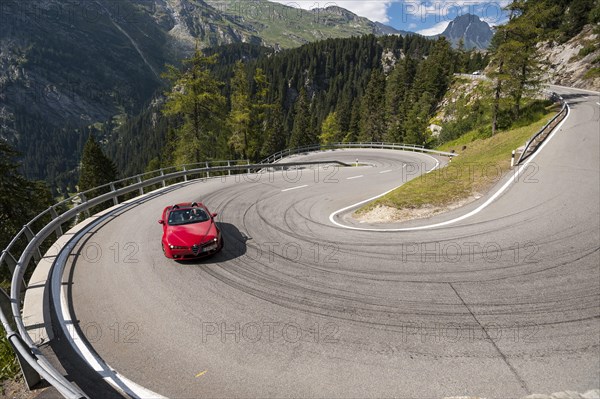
column 460, row 218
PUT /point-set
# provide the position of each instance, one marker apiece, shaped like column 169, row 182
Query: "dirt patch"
column 17, row 389
column 385, row 214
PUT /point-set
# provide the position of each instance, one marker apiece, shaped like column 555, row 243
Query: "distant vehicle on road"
column 477, row 73
column 189, row 232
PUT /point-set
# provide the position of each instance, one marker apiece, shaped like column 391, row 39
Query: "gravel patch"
column 385, row 214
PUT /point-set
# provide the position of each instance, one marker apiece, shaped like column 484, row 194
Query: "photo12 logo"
column 269, row 332
column 451, row 332
column 446, row 11
column 469, row 252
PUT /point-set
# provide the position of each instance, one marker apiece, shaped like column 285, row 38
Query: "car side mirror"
column 214, row 215
column 161, row 221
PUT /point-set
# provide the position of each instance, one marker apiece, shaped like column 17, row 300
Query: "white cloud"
column 375, row 10
column 426, row 11
column 435, row 29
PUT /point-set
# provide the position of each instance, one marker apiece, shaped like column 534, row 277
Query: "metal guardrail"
column 534, row 142
column 33, row 363
column 324, row 147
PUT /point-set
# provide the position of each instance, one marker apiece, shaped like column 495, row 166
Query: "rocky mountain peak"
column 474, row 32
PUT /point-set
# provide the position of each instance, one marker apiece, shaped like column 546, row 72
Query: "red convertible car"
column 189, row 232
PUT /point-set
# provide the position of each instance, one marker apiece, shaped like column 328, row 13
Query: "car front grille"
column 196, row 249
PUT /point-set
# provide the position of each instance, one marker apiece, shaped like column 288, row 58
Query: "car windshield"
column 187, row 216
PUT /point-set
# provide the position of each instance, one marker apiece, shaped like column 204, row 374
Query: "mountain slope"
column 261, row 22
column 67, row 66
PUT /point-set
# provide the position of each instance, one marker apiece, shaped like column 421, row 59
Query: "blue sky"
column 424, row 17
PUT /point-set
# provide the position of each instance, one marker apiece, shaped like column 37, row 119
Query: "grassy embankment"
column 8, row 362
column 472, row 173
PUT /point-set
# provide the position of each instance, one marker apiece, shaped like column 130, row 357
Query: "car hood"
column 190, row 234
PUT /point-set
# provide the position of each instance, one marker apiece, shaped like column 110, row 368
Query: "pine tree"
column 417, row 119
column 239, row 117
column 398, row 89
column 435, row 73
column 12, row 194
column 344, row 111
column 354, row 129
column 196, row 101
column 259, row 113
column 331, row 131
column 524, row 66
column 515, row 59
column 96, row 168
column 302, row 132
column 275, row 135
column 20, row 199
column 372, row 114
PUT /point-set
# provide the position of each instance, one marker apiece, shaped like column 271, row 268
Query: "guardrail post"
column 185, row 178
column 11, row 262
column 115, row 198
column 139, row 180
column 248, row 163
column 83, row 199
column 162, row 174
column 229, row 166
column 54, row 215
column 37, row 254
column 31, row 377
column 207, row 170
column 512, row 159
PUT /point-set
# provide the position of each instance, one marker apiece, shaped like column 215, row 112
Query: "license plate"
column 210, row 248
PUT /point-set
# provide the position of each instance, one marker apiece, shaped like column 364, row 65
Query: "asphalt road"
column 502, row 304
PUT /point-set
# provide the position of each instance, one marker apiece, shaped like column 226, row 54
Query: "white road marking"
column 598, row 103
column 385, row 171
column 516, row 176
column 355, row 177
column 294, row 188
column 404, row 166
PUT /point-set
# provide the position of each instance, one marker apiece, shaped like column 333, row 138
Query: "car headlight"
column 176, row 247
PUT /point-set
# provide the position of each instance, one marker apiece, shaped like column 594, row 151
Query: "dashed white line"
column 294, row 188
column 385, row 171
column 355, row 177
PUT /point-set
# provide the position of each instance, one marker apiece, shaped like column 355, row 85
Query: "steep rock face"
column 474, row 32
column 574, row 63
column 187, row 21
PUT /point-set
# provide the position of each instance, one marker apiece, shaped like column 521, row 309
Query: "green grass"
column 9, row 367
column 475, row 170
column 588, row 49
column 592, row 73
